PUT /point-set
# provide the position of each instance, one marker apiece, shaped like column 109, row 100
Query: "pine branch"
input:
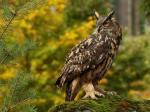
column 18, row 104
column 14, row 50
column 7, row 54
column 8, row 24
column 11, row 16
column 19, row 94
column 4, row 59
column 24, row 9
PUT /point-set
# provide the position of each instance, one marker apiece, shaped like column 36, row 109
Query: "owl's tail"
column 60, row 81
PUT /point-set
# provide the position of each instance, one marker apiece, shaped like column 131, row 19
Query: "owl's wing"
column 86, row 55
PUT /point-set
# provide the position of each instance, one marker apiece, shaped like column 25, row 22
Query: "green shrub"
column 131, row 67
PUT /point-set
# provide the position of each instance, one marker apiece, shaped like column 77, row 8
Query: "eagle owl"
column 88, row 61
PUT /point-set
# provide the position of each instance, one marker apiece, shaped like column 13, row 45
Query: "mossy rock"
column 107, row 104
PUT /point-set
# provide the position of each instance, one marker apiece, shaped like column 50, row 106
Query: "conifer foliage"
column 18, row 95
column 11, row 14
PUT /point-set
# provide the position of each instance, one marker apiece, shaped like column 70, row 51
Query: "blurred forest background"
column 36, row 35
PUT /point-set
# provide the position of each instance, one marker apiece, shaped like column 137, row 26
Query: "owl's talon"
column 89, row 95
column 99, row 94
column 113, row 93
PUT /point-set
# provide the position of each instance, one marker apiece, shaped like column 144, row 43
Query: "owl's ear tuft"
column 108, row 17
column 96, row 14
column 111, row 14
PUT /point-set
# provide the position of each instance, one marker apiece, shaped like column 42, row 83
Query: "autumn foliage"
column 55, row 27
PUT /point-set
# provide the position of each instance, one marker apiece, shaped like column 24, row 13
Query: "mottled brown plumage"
column 88, row 61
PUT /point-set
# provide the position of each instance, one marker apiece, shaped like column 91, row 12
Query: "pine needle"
column 19, row 95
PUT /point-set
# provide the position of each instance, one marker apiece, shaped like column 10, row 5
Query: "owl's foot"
column 113, row 93
column 99, row 94
column 89, row 95
column 89, row 91
column 93, row 95
column 99, row 90
column 103, row 92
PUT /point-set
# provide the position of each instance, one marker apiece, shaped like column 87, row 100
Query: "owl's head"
column 103, row 20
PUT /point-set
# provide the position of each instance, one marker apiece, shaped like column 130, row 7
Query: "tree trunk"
column 136, row 21
column 121, row 8
column 129, row 16
column 107, row 104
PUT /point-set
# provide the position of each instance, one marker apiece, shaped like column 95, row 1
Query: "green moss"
column 107, row 104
